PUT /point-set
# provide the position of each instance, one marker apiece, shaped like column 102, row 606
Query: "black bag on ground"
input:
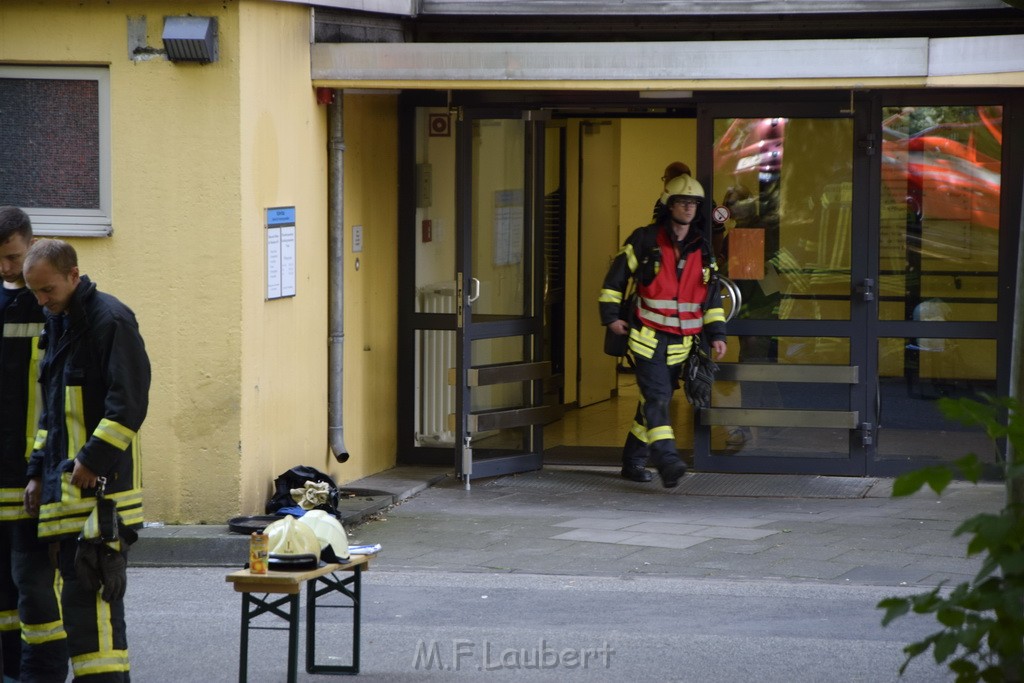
column 296, row 478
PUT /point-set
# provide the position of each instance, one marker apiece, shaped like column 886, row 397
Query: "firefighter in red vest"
column 672, row 267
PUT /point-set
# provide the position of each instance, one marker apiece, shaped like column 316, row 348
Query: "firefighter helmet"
column 682, row 186
column 291, row 545
column 330, row 533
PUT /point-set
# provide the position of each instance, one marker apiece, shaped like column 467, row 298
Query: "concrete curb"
column 215, row 545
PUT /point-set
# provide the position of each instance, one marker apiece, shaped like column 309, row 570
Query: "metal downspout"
column 336, row 276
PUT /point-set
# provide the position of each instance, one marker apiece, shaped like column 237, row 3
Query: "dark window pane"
column 49, row 143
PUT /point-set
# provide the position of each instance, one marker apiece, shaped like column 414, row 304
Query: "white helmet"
column 291, row 545
column 330, row 532
column 683, row 187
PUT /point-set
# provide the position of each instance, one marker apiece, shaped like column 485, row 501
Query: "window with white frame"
column 55, row 147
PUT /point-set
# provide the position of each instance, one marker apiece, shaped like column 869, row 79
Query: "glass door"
column 944, row 256
column 499, row 373
column 790, row 397
column 472, row 284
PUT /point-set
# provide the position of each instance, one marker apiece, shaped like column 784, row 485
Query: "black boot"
column 671, row 472
column 636, row 473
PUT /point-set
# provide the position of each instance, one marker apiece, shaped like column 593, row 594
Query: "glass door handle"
column 475, row 289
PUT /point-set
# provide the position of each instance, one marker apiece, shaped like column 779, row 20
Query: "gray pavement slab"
column 584, row 519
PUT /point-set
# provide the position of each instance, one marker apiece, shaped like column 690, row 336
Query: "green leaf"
column 937, row 478
column 963, row 667
column 945, row 646
column 970, row 467
column 894, row 609
column 950, row 617
column 909, row 483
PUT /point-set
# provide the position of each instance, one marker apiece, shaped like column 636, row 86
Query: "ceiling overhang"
column 893, row 62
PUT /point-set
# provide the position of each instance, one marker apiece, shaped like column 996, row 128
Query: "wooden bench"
column 256, row 590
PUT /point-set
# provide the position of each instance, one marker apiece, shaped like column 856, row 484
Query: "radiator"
column 435, row 397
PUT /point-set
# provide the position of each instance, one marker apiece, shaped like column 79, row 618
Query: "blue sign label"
column 281, row 215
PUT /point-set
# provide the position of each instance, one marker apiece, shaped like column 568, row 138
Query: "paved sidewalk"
column 588, row 521
column 618, row 528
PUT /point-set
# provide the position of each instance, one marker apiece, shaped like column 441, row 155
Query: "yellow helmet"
column 682, row 186
column 291, row 545
column 331, row 534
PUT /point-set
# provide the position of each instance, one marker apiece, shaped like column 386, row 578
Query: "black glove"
column 98, row 565
column 87, row 564
column 113, row 572
column 698, row 376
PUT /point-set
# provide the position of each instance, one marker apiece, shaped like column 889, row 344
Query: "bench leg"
column 350, row 587
column 253, row 607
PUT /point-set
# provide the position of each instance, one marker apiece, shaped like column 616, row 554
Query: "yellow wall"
column 283, row 163
column 371, row 293
column 647, row 147
column 198, row 152
column 174, row 256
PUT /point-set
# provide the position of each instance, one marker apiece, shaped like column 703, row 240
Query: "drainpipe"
column 335, row 275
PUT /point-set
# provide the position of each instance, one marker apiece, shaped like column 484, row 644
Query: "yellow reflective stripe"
column 610, row 296
column 114, row 433
column 104, row 661
column 630, row 257
column 714, row 315
column 104, row 629
column 9, row 620
column 22, row 329
column 35, row 400
column 676, row 353
column 137, row 466
column 9, row 496
column 34, row 634
column 70, row 514
column 74, row 415
column 660, row 434
column 40, row 439
column 639, row 431
column 91, row 528
column 13, row 513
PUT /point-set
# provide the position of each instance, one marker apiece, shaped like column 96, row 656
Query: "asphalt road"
column 183, row 625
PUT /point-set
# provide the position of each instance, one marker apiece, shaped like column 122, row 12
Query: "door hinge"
column 867, row 289
column 867, row 434
column 867, row 143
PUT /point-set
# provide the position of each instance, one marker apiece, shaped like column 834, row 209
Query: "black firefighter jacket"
column 95, row 378
column 20, row 398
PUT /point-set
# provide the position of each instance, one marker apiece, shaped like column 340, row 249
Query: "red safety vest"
column 674, row 305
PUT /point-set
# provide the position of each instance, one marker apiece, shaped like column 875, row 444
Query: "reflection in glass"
column 939, row 246
column 788, row 238
column 913, row 374
column 499, row 204
column 768, row 440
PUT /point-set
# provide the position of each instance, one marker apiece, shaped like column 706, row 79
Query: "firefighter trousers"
column 34, row 642
column 97, row 639
column 659, row 360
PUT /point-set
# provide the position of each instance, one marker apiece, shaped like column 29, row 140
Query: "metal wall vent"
column 190, row 39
